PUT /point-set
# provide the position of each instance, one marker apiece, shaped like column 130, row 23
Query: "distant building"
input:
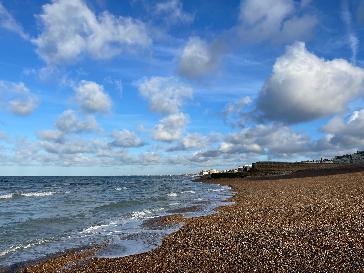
column 244, row 168
column 208, row 172
column 356, row 158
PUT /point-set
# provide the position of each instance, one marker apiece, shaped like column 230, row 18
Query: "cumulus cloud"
column 304, row 87
column 51, row 135
column 235, row 114
column 68, row 122
column 126, row 139
column 165, row 94
column 148, row 158
column 274, row 141
column 71, row 29
column 8, row 22
column 198, row 58
column 92, row 97
column 23, row 107
column 17, row 98
column 190, row 142
column 274, row 20
column 170, row 128
column 347, row 133
column 172, row 11
column 73, row 146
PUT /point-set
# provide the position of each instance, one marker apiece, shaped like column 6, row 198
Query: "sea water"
column 40, row 216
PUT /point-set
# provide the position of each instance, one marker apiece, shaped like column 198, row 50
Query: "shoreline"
column 174, row 220
column 285, row 224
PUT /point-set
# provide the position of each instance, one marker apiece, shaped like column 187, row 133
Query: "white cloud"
column 198, row 58
column 347, row 134
column 172, row 11
column 51, row 135
column 17, row 98
column 8, row 22
column 23, row 107
column 149, row 157
column 126, row 139
column 70, row 28
column 189, row 142
column 272, row 141
column 73, row 146
column 304, row 87
column 92, row 97
column 234, row 112
column 274, row 20
column 68, row 122
column 352, row 38
column 170, row 128
column 165, row 94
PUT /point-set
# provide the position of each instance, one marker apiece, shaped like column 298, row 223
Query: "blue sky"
column 103, row 87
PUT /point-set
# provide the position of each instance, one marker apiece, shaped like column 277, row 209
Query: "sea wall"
column 279, row 168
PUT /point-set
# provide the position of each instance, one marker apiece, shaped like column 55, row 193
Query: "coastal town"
column 281, row 168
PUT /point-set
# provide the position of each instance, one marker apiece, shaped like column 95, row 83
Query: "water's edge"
column 99, row 248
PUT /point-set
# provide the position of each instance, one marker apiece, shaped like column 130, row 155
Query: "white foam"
column 193, row 192
column 92, row 229
column 121, row 188
column 147, row 213
column 7, row 196
column 38, row 194
column 172, row 194
column 138, row 214
column 17, row 247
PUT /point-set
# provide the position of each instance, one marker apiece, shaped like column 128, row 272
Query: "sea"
column 40, row 216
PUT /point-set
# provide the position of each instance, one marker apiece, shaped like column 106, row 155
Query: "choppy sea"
column 40, row 216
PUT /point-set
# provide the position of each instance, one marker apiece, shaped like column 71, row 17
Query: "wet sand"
column 310, row 223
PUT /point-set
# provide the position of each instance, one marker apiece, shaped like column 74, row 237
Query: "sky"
column 107, row 87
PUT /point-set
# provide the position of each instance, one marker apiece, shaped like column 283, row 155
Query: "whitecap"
column 37, row 194
column 121, row 188
column 193, row 192
column 7, row 196
column 158, row 209
column 92, row 229
column 172, row 194
column 141, row 214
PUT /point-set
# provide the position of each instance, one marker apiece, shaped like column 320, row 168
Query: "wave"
column 25, row 194
column 147, row 213
column 19, row 247
column 118, row 205
column 7, row 196
column 172, row 194
column 121, row 188
column 193, row 192
column 38, row 194
column 93, row 229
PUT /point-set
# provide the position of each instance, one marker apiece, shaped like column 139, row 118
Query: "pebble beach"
column 313, row 223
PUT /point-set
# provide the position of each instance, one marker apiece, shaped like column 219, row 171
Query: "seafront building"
column 280, row 168
column 356, row 158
